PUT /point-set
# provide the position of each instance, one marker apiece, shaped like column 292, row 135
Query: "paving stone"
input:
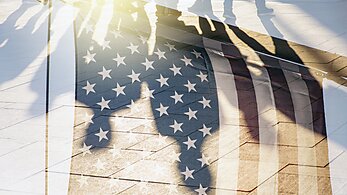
column 85, row 185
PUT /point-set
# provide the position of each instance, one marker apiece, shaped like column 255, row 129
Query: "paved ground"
column 140, row 103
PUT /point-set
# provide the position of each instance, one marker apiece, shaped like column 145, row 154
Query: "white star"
column 191, row 114
column 203, row 77
column 176, row 156
column 119, row 89
column 115, row 151
column 119, row 60
column 190, row 86
column 83, row 180
column 205, row 130
column 134, row 77
column 201, row 190
column 176, row 126
column 143, row 39
column 203, row 160
column 89, row 28
column 88, row 118
column 187, row 61
column 133, row 107
column 190, row 143
column 104, row 104
column 89, row 88
column 162, row 139
column 197, row 54
column 148, row 64
column 116, row 34
column 175, row 70
column 99, row 165
column 148, row 93
column 163, row 81
column 162, row 110
column 102, row 134
column 85, row 150
column 105, row 73
column 105, row 44
column 133, row 48
column 205, row 103
column 188, row 174
column 171, row 47
column 177, row 97
column 89, row 57
column 160, row 54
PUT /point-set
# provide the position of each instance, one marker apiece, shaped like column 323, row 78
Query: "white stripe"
column 305, row 133
column 227, row 170
column 268, row 150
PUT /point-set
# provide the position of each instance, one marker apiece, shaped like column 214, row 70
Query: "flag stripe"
column 227, row 171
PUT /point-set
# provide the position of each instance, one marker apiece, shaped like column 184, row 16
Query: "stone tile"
column 150, row 170
column 315, row 156
column 309, row 180
column 156, row 188
column 108, row 163
column 81, row 184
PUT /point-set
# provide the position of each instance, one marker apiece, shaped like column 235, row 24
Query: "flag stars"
column 160, row 54
column 176, row 126
column 205, row 103
column 190, row 143
column 148, row 93
column 188, row 174
column 187, row 61
column 203, row 77
column 89, row 57
column 177, row 97
column 115, row 151
column 133, row 48
column 119, row 90
column 105, row 44
column 88, row 28
column 148, row 64
column 205, row 130
column 204, row 160
column 175, row 70
column 197, row 54
column 163, row 81
column 102, row 134
column 162, row 110
column 116, row 34
column 85, row 150
column 171, row 47
column 134, row 76
column 119, row 59
column 142, row 39
column 88, row 118
column 104, row 104
column 99, row 165
column 201, row 190
column 105, row 73
column 191, row 114
column 89, row 88
column 190, row 86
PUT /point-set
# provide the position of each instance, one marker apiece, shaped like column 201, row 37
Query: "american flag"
column 214, row 101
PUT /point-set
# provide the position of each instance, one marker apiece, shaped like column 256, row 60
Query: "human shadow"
column 128, row 31
column 20, row 60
